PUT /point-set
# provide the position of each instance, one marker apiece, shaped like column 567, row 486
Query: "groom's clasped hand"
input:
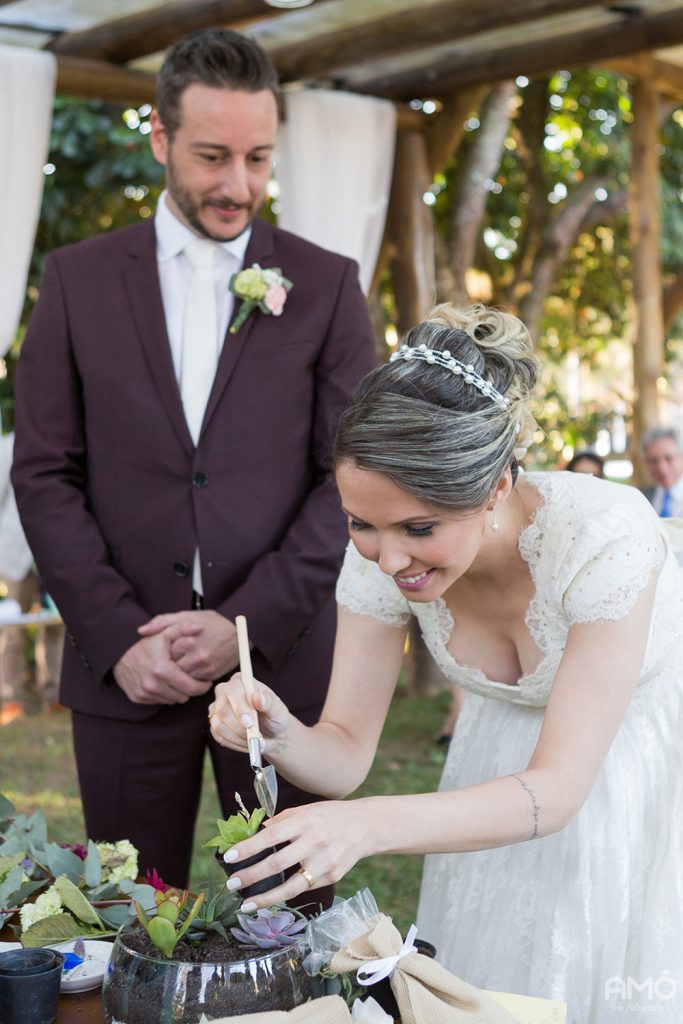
column 178, row 656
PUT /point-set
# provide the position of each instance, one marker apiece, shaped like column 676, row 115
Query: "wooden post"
column 410, row 238
column 410, row 231
column 648, row 326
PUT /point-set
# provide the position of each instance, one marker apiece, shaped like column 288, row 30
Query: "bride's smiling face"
column 423, row 549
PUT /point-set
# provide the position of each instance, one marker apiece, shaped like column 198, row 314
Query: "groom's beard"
column 191, row 209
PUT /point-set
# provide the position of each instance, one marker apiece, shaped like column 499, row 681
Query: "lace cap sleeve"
column 364, row 589
column 614, row 559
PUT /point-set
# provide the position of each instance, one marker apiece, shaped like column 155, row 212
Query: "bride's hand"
column 321, row 841
column 231, row 714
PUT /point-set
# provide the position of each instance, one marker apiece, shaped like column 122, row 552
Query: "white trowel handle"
column 253, row 732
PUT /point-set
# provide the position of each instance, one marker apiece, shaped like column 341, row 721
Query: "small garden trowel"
column 265, row 779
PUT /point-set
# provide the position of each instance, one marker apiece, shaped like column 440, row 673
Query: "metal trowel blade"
column 265, row 786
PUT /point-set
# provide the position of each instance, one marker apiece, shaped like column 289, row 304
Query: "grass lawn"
column 37, row 770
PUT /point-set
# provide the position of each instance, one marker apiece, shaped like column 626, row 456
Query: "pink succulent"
column 269, row 929
column 275, row 299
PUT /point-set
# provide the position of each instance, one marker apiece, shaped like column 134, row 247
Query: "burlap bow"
column 328, row 1010
column 425, row 991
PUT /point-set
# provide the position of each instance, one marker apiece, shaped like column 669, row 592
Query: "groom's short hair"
column 217, row 57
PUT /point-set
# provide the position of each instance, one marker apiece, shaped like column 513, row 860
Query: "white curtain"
column 334, row 161
column 27, row 86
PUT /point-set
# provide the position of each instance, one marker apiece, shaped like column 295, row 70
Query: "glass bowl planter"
column 143, row 989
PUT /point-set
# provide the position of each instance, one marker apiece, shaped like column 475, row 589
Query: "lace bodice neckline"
column 590, row 546
column 528, row 547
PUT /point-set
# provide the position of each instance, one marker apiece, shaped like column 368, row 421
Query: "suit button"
column 181, row 568
column 200, row 479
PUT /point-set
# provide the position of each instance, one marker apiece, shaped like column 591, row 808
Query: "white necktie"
column 200, row 335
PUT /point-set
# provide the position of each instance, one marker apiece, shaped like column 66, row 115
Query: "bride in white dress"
column 555, row 843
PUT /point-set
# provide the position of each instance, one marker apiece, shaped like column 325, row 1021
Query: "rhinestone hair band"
column 449, row 362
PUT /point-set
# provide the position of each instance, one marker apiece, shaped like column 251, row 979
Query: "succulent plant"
column 217, row 913
column 269, row 929
column 237, row 827
column 163, row 928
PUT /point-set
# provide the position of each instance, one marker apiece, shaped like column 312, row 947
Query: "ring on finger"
column 310, row 880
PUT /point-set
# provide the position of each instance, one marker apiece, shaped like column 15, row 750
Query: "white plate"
column 5, row 946
column 90, row 973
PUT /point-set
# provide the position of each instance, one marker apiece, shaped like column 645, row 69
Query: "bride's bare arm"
column 594, row 684
column 333, row 757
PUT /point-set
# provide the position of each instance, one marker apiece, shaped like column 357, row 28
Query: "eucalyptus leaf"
column 9, row 889
column 15, row 843
column 108, row 891
column 7, row 809
column 74, row 900
column 36, row 825
column 7, row 863
column 63, row 862
column 28, row 888
column 139, row 891
column 92, row 866
column 114, row 917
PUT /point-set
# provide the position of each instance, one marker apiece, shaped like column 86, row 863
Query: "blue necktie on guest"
column 667, row 504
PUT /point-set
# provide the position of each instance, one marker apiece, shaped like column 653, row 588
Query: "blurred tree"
column 531, row 215
column 100, row 175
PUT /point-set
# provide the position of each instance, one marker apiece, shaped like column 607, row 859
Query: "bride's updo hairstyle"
column 435, row 434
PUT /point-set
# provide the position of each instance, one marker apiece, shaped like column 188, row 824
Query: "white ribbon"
column 368, row 1011
column 375, row 970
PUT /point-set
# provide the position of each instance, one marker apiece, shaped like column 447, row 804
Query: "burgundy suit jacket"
column 114, row 497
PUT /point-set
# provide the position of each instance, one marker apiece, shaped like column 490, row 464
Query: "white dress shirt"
column 676, row 499
column 174, row 275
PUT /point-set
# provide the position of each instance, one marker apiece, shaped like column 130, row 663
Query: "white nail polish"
column 234, row 883
column 246, row 721
column 230, row 855
column 248, row 908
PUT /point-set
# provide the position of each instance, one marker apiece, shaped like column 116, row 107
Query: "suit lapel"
column 144, row 292
column 261, row 250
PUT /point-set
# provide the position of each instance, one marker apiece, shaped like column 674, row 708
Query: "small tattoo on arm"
column 534, row 803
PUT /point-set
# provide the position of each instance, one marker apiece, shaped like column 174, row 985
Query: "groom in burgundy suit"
column 154, row 491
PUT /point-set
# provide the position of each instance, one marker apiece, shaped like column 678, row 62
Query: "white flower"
column 369, row 1011
column 272, row 276
column 47, row 904
column 119, row 860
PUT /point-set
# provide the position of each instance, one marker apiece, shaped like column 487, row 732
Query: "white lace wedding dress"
column 592, row 915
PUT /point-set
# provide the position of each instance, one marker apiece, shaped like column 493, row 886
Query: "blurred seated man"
column 664, row 460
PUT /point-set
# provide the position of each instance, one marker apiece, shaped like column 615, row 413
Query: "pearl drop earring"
column 494, row 521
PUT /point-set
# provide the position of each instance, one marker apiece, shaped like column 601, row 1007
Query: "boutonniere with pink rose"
column 259, row 288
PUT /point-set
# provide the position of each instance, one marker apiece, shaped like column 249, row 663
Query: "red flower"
column 76, row 848
column 156, row 881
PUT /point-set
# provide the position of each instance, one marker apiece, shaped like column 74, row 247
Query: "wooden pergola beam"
column 666, row 78
column 95, row 79
column 391, row 34
column 634, row 34
column 136, row 35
